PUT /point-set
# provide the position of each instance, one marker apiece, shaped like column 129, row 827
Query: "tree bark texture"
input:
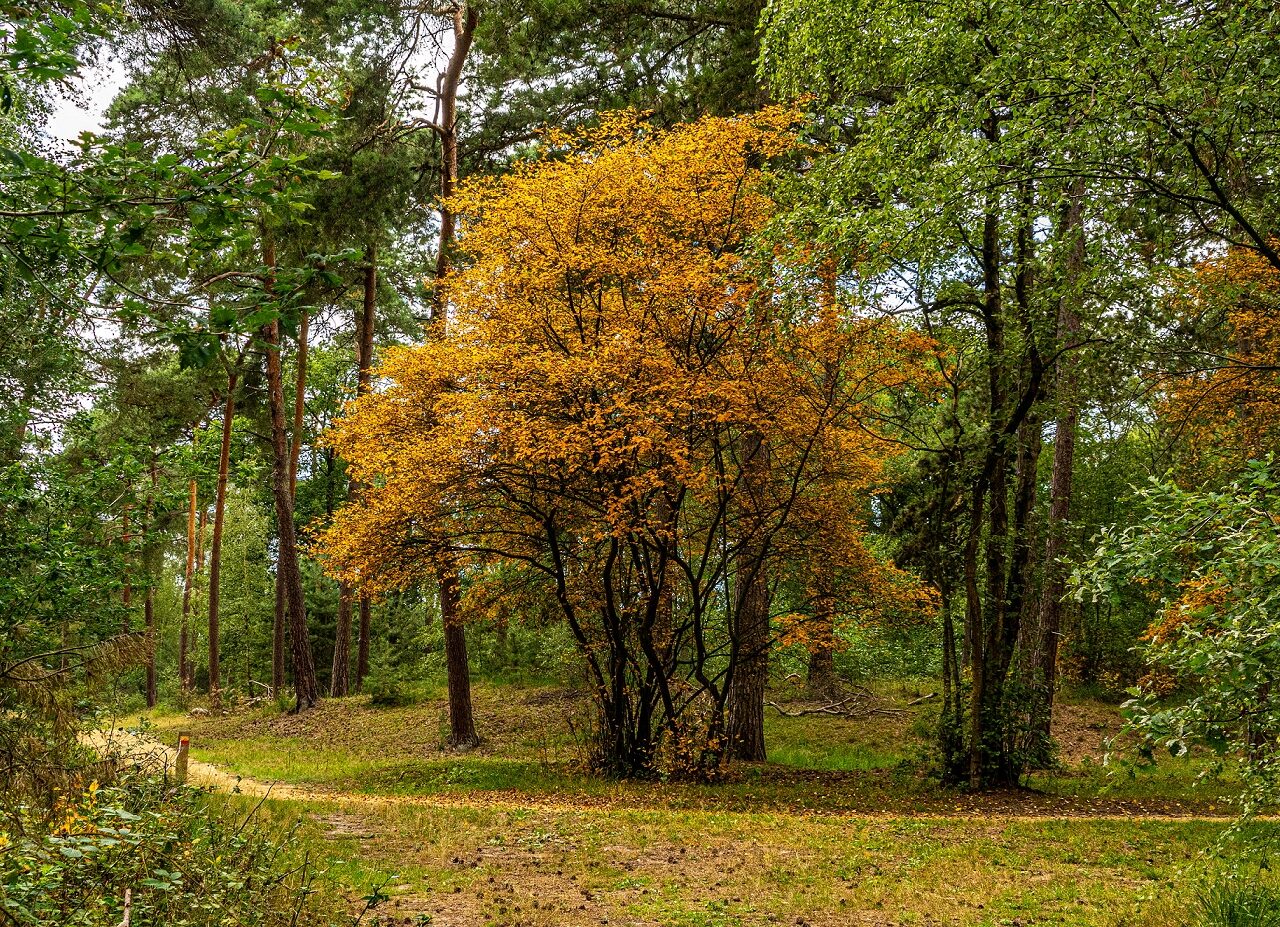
column 1045, row 656
column 304, row 673
column 751, row 668
column 462, row 728
column 364, row 364
column 184, row 675
column 215, row 543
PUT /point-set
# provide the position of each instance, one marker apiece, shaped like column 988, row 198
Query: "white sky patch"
column 83, row 107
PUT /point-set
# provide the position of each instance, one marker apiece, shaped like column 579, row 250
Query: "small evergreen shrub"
column 386, row 691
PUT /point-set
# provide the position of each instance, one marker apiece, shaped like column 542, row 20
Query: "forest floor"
column 842, row 827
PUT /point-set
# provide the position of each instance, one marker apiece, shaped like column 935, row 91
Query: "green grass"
column 503, row 867
column 841, row 827
column 836, row 744
column 1238, row 903
column 817, row 763
column 1169, row 780
column 290, row 759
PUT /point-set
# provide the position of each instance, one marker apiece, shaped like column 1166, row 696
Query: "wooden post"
column 184, row 747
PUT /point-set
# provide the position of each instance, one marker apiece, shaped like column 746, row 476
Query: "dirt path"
column 151, row 754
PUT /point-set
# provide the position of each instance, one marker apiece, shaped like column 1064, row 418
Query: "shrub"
column 1236, row 903
column 1212, row 562
column 181, row 856
column 386, row 691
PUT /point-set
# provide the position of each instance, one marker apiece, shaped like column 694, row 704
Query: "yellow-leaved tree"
column 634, row 402
column 1226, row 402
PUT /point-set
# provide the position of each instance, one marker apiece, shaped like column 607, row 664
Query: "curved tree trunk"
column 465, row 20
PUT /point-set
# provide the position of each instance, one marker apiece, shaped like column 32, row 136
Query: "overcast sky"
column 82, row 109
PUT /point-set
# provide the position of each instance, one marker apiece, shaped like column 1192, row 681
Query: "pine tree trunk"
column 201, row 525
column 215, row 545
column 304, row 671
column 126, row 594
column 299, row 403
column 362, row 652
column 277, row 635
column 364, row 364
column 149, row 618
column 462, row 728
column 750, row 674
column 1064, row 444
column 184, row 631
column 465, row 19
column 148, row 602
column 340, row 670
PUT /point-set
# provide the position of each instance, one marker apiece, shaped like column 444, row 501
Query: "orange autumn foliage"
column 1229, row 411
column 1198, row 599
column 615, row 339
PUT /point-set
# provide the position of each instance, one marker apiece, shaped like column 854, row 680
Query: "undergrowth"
column 150, row 853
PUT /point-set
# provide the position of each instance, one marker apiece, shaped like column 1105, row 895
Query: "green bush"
column 182, row 856
column 1236, row 903
column 871, row 654
column 386, row 691
column 525, row 654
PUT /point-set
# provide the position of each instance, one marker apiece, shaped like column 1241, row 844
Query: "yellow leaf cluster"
column 1229, row 409
column 613, row 333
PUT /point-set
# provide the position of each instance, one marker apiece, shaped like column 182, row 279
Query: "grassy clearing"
column 842, row 827
column 508, row 867
column 532, row 748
